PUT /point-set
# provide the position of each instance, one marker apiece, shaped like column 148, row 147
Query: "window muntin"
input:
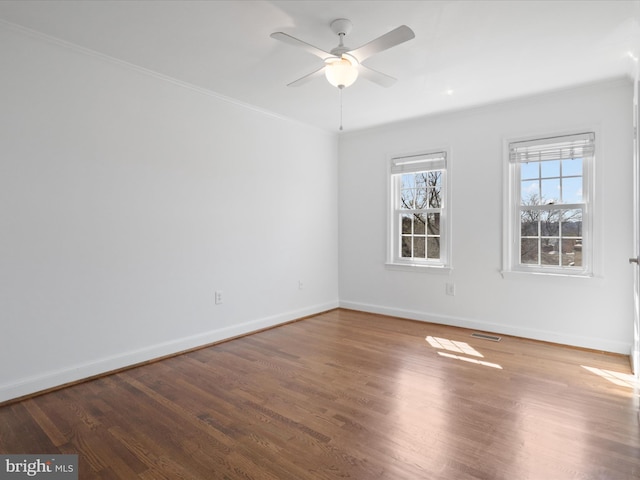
column 550, row 206
column 418, row 215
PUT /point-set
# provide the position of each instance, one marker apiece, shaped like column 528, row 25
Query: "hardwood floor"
column 347, row 395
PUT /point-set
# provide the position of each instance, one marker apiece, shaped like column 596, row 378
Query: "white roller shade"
column 556, row 148
column 419, row 163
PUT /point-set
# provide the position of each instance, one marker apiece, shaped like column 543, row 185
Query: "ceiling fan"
column 342, row 65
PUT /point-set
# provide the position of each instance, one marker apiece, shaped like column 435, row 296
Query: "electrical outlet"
column 450, row 289
column 300, row 285
column 218, row 296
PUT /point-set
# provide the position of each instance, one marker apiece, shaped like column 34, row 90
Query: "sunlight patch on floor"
column 453, row 346
column 622, row 379
column 470, row 360
column 458, row 347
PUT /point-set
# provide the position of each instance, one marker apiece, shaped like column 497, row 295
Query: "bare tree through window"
column 420, row 202
column 551, row 213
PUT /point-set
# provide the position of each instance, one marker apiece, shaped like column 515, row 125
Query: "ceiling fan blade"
column 283, row 37
column 391, row 39
column 374, row 76
column 307, row 78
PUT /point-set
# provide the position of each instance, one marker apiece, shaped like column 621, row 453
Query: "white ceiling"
column 483, row 51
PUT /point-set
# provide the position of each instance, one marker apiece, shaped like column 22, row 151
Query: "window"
column 549, row 218
column 418, row 217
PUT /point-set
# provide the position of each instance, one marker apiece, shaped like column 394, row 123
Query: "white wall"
column 126, row 200
column 594, row 313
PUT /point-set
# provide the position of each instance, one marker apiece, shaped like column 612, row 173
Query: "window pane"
column 435, row 178
column 529, row 251
column 572, row 167
column 550, row 191
column 408, row 181
column 572, row 223
column 419, row 247
column 407, row 198
column 572, row 252
column 529, row 223
column 433, row 224
column 406, row 247
column 529, row 170
column 572, row 190
column 421, row 179
column 406, row 224
column 530, row 193
column 433, row 247
column 421, row 197
column 419, row 221
column 549, row 254
column 409, row 191
column 550, row 223
column 550, row 169
column 435, row 197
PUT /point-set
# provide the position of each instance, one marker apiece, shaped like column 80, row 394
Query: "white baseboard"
column 534, row 334
column 55, row 378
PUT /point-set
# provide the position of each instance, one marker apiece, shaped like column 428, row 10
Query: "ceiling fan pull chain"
column 341, row 88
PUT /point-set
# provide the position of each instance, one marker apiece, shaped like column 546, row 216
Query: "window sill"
column 519, row 274
column 437, row 269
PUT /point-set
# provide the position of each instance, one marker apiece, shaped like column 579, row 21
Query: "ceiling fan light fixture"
column 340, row 72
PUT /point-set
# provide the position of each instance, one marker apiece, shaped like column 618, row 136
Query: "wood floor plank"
column 347, row 394
column 19, row 431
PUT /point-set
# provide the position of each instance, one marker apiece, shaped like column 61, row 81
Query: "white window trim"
column 511, row 188
column 393, row 262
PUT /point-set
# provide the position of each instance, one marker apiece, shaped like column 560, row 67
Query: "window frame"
column 513, row 207
column 437, row 159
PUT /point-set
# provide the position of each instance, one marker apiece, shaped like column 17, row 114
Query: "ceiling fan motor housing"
column 341, row 26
